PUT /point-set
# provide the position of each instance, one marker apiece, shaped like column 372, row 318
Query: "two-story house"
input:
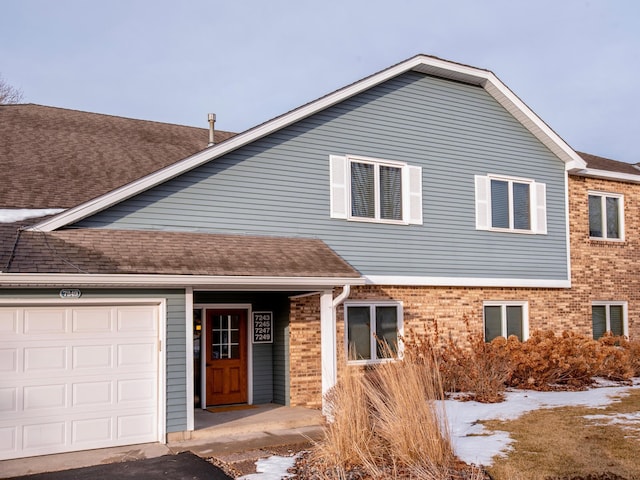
column 427, row 192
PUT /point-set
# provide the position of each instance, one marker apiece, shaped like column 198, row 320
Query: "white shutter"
column 338, row 179
column 413, row 198
column 482, row 202
column 540, row 211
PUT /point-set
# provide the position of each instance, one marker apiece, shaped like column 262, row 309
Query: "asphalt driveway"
column 184, row 466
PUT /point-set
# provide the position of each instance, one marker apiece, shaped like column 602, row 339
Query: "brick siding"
column 600, row 271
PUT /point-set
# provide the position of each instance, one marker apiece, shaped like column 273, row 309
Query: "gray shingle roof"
column 102, row 251
column 601, row 163
column 59, row 158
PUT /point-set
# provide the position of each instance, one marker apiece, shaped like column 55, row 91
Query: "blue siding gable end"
column 279, row 185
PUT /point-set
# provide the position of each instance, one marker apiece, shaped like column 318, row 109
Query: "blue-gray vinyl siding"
column 175, row 383
column 279, row 185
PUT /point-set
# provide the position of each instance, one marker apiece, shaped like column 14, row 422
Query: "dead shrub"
column 471, row 366
column 387, row 423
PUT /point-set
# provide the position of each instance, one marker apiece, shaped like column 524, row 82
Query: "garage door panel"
column 38, row 359
column 92, row 394
column 136, row 319
column 9, row 321
column 92, row 430
column 39, row 321
column 136, row 354
column 8, row 440
column 92, row 356
column 44, row 435
column 93, row 320
column 45, row 396
column 8, row 400
column 8, row 360
column 134, row 427
column 72, row 379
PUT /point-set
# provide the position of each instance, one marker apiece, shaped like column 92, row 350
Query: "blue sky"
column 576, row 63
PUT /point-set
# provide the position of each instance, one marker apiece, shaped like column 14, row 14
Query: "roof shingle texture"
column 601, row 163
column 59, row 158
column 102, row 251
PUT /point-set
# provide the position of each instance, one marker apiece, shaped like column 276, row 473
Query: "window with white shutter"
column 372, row 190
column 509, row 204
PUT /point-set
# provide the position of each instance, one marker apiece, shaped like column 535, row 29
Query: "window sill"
column 607, row 240
column 376, row 220
column 365, row 363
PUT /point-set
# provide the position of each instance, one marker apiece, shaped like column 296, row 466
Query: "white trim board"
column 176, row 281
column 420, row 63
column 465, row 282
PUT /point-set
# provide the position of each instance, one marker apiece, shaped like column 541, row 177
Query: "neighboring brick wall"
column 305, row 366
column 600, row 270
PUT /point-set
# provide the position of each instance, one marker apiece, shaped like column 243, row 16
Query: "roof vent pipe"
column 212, row 123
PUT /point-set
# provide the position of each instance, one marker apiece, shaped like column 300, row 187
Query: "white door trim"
column 222, row 306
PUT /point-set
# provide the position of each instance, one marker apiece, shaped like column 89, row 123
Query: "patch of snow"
column 272, row 468
column 11, row 215
column 472, row 443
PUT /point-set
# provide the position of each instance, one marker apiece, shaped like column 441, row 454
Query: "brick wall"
column 600, row 270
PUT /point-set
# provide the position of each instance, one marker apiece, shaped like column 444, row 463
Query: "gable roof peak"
column 425, row 64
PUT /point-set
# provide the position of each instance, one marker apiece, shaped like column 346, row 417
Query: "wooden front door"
column 226, row 363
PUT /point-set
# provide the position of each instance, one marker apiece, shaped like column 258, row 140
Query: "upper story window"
column 503, row 319
column 372, row 330
column 609, row 317
column 606, row 217
column 510, row 204
column 372, row 190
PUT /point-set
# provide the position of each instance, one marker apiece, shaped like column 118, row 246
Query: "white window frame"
column 537, row 204
column 603, row 198
column 608, row 304
column 340, row 179
column 503, row 313
column 372, row 329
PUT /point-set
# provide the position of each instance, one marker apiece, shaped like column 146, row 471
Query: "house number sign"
column 262, row 327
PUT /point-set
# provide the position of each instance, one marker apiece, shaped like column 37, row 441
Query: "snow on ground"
column 472, row 443
column 11, row 215
column 272, row 468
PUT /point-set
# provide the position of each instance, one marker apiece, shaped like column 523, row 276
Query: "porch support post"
column 327, row 344
column 188, row 307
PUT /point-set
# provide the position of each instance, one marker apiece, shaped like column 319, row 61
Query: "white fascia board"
column 607, row 175
column 391, row 280
column 176, row 281
column 420, row 63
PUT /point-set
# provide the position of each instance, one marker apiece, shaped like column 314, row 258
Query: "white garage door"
column 77, row 377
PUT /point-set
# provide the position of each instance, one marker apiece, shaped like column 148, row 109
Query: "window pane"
column 595, row 216
column 386, row 331
column 615, row 319
column 613, row 230
column 492, row 322
column 390, row 193
column 598, row 319
column 499, row 204
column 362, row 190
column 521, row 206
column 514, row 321
column 359, row 333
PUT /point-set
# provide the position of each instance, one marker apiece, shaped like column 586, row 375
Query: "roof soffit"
column 420, row 63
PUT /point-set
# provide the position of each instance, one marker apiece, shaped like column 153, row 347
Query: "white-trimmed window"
column 606, row 216
column 373, row 190
column 510, row 204
column 503, row 319
column 609, row 317
column 372, row 330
